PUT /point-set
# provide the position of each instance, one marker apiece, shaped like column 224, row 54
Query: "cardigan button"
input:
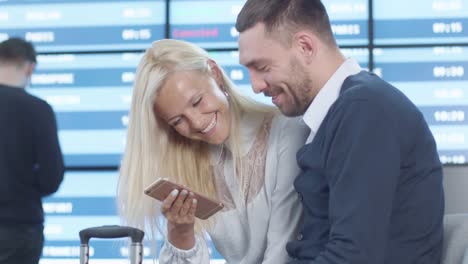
column 299, row 195
column 300, row 236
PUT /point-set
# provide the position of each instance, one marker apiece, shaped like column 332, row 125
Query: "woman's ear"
column 216, row 72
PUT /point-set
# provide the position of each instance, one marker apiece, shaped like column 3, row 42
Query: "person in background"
column 31, row 164
column 189, row 123
column 371, row 179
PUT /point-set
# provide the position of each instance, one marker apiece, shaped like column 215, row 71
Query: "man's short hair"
column 17, row 51
column 283, row 18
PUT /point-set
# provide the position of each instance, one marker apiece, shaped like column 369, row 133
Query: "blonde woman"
column 188, row 123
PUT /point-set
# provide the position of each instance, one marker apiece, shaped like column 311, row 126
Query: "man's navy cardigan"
column 371, row 182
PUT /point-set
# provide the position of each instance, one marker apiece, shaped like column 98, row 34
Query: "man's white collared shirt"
column 318, row 109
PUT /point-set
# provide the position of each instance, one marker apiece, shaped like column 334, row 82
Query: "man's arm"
column 363, row 167
column 49, row 167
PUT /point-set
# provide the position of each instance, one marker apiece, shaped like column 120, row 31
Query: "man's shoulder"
column 365, row 85
column 370, row 88
column 34, row 101
column 22, row 100
column 18, row 92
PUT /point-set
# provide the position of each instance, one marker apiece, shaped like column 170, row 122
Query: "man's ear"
column 306, row 44
column 216, row 72
column 30, row 68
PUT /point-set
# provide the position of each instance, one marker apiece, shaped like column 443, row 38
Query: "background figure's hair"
column 283, row 18
column 154, row 149
column 17, row 51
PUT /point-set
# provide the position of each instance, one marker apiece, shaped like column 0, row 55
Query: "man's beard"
column 300, row 86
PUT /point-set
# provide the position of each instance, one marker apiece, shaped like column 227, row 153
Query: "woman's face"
column 195, row 106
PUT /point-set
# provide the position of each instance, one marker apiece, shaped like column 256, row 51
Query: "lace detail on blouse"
column 252, row 176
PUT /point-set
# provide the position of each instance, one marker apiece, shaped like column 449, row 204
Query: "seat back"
column 455, row 239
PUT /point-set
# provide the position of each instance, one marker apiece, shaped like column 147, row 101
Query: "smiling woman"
column 189, row 124
column 195, row 105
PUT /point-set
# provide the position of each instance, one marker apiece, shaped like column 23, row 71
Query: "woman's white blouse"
column 256, row 232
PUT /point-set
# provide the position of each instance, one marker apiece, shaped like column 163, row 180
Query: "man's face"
column 275, row 70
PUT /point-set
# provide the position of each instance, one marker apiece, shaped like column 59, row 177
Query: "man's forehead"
column 245, row 56
column 251, row 44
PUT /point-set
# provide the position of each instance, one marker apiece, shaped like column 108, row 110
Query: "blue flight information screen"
column 208, row 23
column 91, row 97
column 72, row 209
column 420, row 22
column 435, row 80
column 349, row 21
column 84, row 25
column 211, row 23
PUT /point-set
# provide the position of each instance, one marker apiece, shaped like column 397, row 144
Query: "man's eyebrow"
column 252, row 63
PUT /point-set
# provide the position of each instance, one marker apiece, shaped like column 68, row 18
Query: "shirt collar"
column 329, row 93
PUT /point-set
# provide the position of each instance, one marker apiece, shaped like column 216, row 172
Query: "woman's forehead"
column 179, row 89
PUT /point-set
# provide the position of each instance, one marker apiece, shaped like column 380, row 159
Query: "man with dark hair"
column 371, row 180
column 31, row 164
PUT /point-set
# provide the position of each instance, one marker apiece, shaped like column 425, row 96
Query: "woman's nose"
column 196, row 121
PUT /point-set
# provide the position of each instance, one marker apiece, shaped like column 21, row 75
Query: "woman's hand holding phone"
column 180, row 206
column 179, row 209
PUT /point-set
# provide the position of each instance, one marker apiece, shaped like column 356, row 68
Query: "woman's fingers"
column 193, row 208
column 180, row 207
column 186, row 206
column 177, row 205
column 167, row 203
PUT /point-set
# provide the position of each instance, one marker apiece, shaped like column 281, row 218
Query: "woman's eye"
column 175, row 123
column 197, row 102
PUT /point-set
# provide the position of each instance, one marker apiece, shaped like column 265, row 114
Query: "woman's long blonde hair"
column 153, row 149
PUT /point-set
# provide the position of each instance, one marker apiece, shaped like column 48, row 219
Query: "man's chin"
column 289, row 112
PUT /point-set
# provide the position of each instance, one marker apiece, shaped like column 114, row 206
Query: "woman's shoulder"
column 283, row 124
column 288, row 131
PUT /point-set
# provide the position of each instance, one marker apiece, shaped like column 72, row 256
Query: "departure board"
column 208, row 23
column 211, row 23
column 89, row 51
column 91, row 96
column 85, row 25
column 349, row 21
column 416, row 22
column 435, row 80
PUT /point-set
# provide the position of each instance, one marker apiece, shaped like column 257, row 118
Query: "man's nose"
column 258, row 83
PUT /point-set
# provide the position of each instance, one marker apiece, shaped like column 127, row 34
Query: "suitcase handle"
column 111, row 231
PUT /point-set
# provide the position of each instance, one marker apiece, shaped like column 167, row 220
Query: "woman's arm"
column 199, row 254
column 181, row 245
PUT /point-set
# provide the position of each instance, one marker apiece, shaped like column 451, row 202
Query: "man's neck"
column 332, row 60
column 12, row 76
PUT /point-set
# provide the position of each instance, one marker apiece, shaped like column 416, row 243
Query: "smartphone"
column 162, row 187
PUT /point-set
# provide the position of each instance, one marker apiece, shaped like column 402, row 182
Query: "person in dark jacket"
column 31, row 163
column 371, row 180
